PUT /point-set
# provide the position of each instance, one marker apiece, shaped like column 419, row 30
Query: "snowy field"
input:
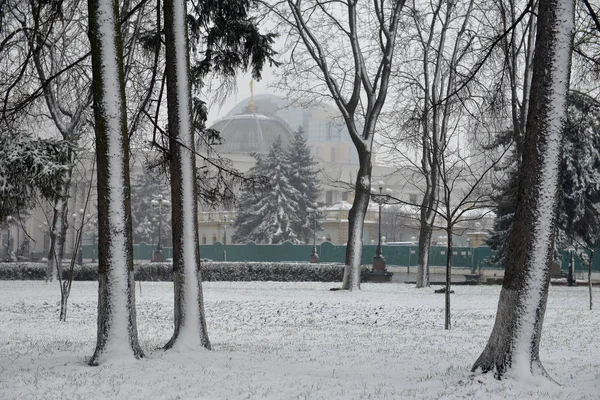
column 290, row 341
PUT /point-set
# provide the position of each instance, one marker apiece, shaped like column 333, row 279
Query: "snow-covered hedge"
column 211, row 271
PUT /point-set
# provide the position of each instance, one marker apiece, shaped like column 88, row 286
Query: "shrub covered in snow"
column 211, row 271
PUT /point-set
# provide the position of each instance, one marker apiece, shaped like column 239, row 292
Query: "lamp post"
column 76, row 247
column 314, row 257
column 379, row 272
column 224, row 237
column 9, row 219
column 93, row 230
column 46, row 231
column 159, row 203
column 410, row 252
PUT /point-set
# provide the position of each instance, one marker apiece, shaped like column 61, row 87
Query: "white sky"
column 243, row 91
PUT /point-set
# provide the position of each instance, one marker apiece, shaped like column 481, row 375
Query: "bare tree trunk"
column 447, row 320
column 64, row 297
column 590, row 264
column 514, row 342
column 58, row 233
column 364, row 84
column 117, row 328
column 425, row 233
column 190, row 322
column 356, row 221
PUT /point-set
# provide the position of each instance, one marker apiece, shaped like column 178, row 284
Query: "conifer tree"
column 579, row 212
column 303, row 177
column 269, row 216
column 579, row 195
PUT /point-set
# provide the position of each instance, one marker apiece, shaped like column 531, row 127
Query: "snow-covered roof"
column 250, row 133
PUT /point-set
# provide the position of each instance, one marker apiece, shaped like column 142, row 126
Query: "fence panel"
column 462, row 257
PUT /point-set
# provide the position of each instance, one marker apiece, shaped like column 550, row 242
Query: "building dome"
column 251, row 132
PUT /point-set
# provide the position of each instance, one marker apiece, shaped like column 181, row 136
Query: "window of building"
column 413, row 198
column 203, row 239
column 345, row 196
column 329, row 197
column 214, row 240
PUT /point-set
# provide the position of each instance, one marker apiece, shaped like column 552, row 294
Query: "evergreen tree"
column 506, row 199
column 269, row 216
column 579, row 197
column 579, row 212
column 303, row 177
column 29, row 168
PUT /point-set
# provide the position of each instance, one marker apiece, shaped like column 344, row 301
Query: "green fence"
column 462, row 257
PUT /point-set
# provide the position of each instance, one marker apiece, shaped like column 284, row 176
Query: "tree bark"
column 64, row 297
column 447, row 320
column 356, row 221
column 58, row 233
column 590, row 264
column 190, row 322
column 117, row 329
column 514, row 342
column 425, row 233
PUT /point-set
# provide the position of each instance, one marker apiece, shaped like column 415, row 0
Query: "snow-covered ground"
column 290, row 341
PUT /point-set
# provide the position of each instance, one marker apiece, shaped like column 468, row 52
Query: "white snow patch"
column 277, row 340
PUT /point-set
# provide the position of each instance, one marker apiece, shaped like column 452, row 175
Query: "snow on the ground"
column 290, row 341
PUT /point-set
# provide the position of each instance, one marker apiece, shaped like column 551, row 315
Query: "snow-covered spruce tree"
column 505, row 203
column 269, row 216
column 190, row 322
column 29, row 168
column 304, row 177
column 579, row 195
column 513, row 346
column 579, row 215
column 117, row 328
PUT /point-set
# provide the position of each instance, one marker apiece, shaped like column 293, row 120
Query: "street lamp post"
column 93, row 229
column 379, row 272
column 224, row 237
column 410, row 252
column 159, row 203
column 46, row 231
column 77, row 231
column 8, row 244
column 314, row 257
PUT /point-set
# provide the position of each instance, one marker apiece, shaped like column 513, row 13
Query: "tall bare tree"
column 117, row 328
column 345, row 49
column 50, row 38
column 435, row 101
column 514, row 343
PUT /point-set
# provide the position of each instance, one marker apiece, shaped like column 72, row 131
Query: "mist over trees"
column 495, row 72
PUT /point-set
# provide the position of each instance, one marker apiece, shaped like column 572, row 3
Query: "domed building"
column 250, row 133
column 254, row 124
